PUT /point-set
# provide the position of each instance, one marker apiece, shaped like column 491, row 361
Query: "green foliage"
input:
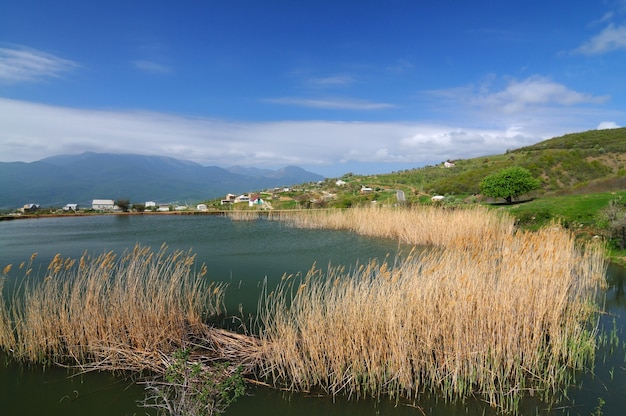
column 586, row 211
column 509, row 183
column 196, row 387
column 597, row 141
column 598, row 410
column 124, row 204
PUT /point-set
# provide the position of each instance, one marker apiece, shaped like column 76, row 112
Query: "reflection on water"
column 245, row 254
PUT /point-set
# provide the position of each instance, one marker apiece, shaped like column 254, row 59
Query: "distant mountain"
column 63, row 179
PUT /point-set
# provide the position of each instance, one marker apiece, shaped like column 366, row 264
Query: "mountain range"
column 63, row 179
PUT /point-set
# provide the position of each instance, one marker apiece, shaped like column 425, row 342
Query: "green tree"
column 509, row 183
column 124, row 204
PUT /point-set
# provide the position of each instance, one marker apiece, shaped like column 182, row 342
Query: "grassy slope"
column 580, row 174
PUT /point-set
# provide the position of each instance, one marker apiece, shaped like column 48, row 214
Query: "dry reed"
column 110, row 313
column 489, row 311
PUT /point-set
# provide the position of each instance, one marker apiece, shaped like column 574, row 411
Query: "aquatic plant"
column 478, row 308
column 119, row 312
column 487, row 311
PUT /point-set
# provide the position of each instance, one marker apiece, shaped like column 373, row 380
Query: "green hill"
column 582, row 176
column 592, row 161
column 578, row 163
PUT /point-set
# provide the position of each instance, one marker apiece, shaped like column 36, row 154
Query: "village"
column 345, row 191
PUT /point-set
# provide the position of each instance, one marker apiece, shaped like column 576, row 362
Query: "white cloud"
column 535, row 91
column 319, row 145
column 150, row 66
column 331, row 81
column 605, row 125
column 331, row 103
column 26, row 65
column 609, row 39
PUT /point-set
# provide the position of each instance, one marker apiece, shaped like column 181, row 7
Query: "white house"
column 242, row 198
column 202, row 207
column 150, row 204
column 366, row 190
column 103, row 204
column 70, row 207
column 163, row 207
column 340, row 182
column 448, row 164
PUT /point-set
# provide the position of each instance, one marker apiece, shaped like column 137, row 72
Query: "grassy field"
column 572, row 211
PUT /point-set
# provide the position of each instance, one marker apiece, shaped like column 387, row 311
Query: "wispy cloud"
column 519, row 95
column 338, row 80
column 331, row 104
column 152, row 67
column 609, row 39
column 28, row 65
column 535, row 91
column 400, row 67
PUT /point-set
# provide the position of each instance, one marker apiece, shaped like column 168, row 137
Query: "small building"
column 71, row 207
column 242, row 198
column 340, row 182
column 103, row 204
column 150, row 204
column 366, row 190
column 230, row 199
column 255, row 200
column 163, row 208
column 448, row 164
column 27, row 208
column 202, row 207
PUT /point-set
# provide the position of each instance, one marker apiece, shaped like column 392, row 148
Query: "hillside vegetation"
column 578, row 163
column 592, row 161
column 582, row 175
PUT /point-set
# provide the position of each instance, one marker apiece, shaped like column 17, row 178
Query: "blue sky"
column 368, row 86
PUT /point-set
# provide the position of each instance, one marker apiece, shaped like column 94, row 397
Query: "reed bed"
column 485, row 311
column 488, row 312
column 425, row 226
column 110, row 312
column 244, row 215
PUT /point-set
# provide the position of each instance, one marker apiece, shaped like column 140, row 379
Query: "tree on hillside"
column 509, row 183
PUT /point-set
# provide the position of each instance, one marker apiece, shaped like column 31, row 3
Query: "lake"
column 244, row 254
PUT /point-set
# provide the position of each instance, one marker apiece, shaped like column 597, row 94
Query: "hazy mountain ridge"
column 58, row 180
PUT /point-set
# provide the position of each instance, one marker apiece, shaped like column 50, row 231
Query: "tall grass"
column 488, row 311
column 426, row 226
column 114, row 312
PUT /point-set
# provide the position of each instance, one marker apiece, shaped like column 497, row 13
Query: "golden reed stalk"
column 116, row 313
column 487, row 310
